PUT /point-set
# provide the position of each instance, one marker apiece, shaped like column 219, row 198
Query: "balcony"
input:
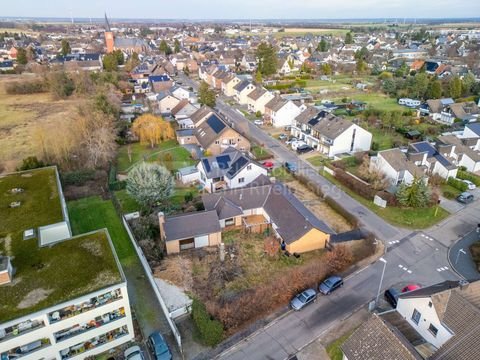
column 90, row 344
column 99, row 321
column 77, row 309
column 20, row 329
column 24, row 350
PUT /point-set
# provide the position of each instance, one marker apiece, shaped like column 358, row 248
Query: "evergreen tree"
column 110, row 62
column 176, row 46
column 455, row 87
column 165, row 48
column 22, row 56
column 267, row 59
column 65, row 47
column 258, row 77
column 349, row 38
column 206, row 96
column 415, row 195
column 322, row 45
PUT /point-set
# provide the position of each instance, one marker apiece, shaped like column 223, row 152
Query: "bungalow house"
column 396, row 166
column 281, row 112
column 435, row 109
column 228, row 84
column 258, row 98
column 461, row 152
column 231, row 169
column 242, row 89
column 466, row 112
column 183, row 110
column 329, row 134
column 435, row 322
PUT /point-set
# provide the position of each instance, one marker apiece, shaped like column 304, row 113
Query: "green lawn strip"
column 333, row 349
column 282, row 174
column 449, row 189
column 318, row 160
column 93, row 213
column 379, row 101
column 260, row 152
column 405, row 217
column 139, row 152
column 127, row 203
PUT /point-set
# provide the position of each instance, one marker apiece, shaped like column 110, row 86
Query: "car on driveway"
column 296, row 144
column 258, row 122
column 391, row 295
column 471, row 185
column 330, row 284
column 410, row 287
column 303, row 299
column 303, row 149
column 134, row 353
column 282, row 136
column 159, row 347
column 291, row 167
column 268, row 164
column 290, row 140
column 465, row 198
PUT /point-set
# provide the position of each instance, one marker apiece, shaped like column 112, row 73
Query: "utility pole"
column 381, row 279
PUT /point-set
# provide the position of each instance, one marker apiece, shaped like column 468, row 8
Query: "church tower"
column 109, row 41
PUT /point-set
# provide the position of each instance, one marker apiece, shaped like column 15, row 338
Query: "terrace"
column 42, row 278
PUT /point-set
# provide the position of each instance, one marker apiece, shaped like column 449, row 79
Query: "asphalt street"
column 412, row 257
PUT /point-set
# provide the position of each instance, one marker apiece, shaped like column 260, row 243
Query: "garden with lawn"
column 261, row 153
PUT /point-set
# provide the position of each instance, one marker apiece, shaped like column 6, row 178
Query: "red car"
column 410, row 287
column 268, row 164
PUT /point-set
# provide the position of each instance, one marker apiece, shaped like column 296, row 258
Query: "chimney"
column 161, row 223
column 6, row 270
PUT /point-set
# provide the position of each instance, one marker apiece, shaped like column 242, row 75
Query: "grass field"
column 21, row 116
column 127, row 203
column 404, row 217
column 93, row 213
column 168, row 153
column 379, row 101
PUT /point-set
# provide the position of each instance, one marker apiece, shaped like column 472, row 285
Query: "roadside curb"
column 449, row 251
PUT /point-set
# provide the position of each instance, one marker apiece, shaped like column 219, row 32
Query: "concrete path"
column 452, row 206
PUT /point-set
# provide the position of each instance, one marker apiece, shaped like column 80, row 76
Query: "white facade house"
column 242, row 90
column 167, row 103
column 329, row 134
column 283, row 116
column 394, row 164
column 257, row 100
column 229, row 170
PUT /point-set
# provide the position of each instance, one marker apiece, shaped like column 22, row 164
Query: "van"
column 391, row 295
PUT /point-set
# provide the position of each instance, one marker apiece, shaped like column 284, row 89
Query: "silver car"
column 303, row 299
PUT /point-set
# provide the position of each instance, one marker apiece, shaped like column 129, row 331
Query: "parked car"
column 465, row 198
column 134, row 353
column 391, row 295
column 159, row 347
column 258, row 122
column 303, row 299
column 291, row 167
column 471, row 185
column 330, row 284
column 303, row 149
column 282, row 136
column 410, row 287
column 268, row 164
column 291, row 140
column 297, row 144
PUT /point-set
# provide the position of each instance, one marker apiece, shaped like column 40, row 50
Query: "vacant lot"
column 21, row 115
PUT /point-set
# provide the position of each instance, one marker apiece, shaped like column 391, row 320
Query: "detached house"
column 462, row 153
column 434, row 161
column 258, row 98
column 228, row 84
column 231, row 169
column 329, row 134
column 166, row 102
column 435, row 109
column 438, row 322
column 257, row 209
column 281, row 112
column 242, row 89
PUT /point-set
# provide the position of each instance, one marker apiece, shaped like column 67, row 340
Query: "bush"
column 465, row 175
column 78, row 178
column 26, row 87
column 30, row 163
column 449, row 195
column 210, row 330
column 188, row 197
column 457, row 184
column 258, row 114
column 352, row 183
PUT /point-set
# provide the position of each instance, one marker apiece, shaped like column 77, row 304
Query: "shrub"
column 210, row 330
column 465, row 175
column 30, row 163
column 188, row 197
column 457, row 184
column 258, row 114
column 78, row 178
column 359, row 187
column 26, row 87
column 449, row 195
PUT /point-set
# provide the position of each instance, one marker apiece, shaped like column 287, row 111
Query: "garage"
column 201, row 241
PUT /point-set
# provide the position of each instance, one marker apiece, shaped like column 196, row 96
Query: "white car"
column 471, row 185
column 297, row 144
column 258, row 122
column 133, row 353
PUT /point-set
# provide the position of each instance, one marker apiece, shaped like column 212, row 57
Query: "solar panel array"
column 425, row 147
column 237, row 165
column 206, row 164
column 215, row 123
column 223, row 161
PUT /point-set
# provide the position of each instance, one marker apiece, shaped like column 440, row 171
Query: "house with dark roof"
column 329, row 134
column 228, row 84
column 258, row 98
column 433, row 160
column 436, row 110
column 462, row 153
column 212, row 133
column 242, row 89
column 438, row 322
column 229, row 170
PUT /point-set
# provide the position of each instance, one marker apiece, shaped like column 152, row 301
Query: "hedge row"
column 457, row 184
column 210, row 330
column 78, row 178
column 356, row 185
column 352, row 219
column 465, row 175
column 26, row 87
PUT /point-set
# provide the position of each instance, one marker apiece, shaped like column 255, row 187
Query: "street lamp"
column 458, row 255
column 381, row 279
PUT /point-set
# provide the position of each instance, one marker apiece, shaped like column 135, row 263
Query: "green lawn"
column 448, row 188
column 261, row 153
column 127, row 203
column 404, row 217
column 178, row 197
column 386, row 139
column 179, row 156
column 318, row 160
column 379, row 101
column 93, row 213
column 333, row 349
column 282, row 174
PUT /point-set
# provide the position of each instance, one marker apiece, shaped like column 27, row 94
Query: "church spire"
column 107, row 24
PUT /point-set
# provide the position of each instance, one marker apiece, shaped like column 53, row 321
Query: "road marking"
column 443, row 268
column 409, row 271
column 393, row 242
column 400, row 266
column 404, row 268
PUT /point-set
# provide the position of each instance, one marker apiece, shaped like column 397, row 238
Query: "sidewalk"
column 461, row 262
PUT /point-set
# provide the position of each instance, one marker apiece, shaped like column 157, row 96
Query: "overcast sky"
column 243, row 9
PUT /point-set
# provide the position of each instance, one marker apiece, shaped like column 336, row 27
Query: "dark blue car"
column 330, row 284
column 159, row 347
column 291, row 167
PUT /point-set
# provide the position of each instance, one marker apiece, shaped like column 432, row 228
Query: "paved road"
column 412, row 257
